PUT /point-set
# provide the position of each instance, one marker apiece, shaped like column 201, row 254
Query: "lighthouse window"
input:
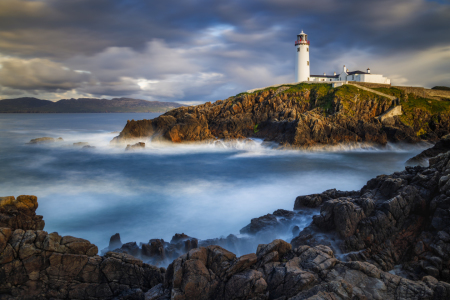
column 298, row 49
column 307, row 49
column 307, row 62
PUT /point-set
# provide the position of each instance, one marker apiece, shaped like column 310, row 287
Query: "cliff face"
column 302, row 115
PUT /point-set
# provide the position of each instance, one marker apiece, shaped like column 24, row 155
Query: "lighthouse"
column 302, row 57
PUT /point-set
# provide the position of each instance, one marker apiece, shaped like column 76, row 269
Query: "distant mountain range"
column 84, row 105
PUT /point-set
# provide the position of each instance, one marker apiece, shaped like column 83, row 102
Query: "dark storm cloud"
column 150, row 48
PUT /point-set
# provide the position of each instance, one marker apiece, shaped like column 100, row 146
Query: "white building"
column 302, row 68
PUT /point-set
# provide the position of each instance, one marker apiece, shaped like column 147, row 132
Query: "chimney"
column 368, row 70
column 334, row 74
column 345, row 69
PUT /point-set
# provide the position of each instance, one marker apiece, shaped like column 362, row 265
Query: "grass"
column 255, row 129
column 430, row 105
column 421, row 113
column 391, row 91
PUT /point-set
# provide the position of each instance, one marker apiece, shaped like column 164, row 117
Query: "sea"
column 206, row 190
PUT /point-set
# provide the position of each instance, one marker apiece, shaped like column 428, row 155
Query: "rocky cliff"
column 396, row 221
column 300, row 115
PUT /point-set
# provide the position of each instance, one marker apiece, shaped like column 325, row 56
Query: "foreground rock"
column 400, row 220
column 37, row 265
column 303, row 115
column 277, row 271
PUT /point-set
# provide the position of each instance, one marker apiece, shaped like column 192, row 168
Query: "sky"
column 195, row 51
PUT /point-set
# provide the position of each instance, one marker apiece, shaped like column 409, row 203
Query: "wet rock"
column 295, row 230
column 266, row 222
column 179, row 237
column 139, row 145
column 44, row 140
column 114, row 242
column 284, row 213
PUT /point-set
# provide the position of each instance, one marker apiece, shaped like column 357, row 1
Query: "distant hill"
column 84, row 105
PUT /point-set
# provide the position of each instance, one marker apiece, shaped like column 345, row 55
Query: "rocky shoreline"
column 304, row 115
column 389, row 240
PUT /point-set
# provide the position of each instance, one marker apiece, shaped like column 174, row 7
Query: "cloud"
column 204, row 50
column 39, row 74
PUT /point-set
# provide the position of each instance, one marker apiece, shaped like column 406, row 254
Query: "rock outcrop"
column 20, row 213
column 442, row 146
column 277, row 271
column 37, row 265
column 400, row 220
column 304, row 115
column 136, row 146
column 45, row 139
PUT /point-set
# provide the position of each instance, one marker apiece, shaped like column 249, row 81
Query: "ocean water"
column 205, row 191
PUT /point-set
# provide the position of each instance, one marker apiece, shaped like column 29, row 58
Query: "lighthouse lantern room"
column 302, row 71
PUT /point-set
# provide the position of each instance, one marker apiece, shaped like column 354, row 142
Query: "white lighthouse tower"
column 302, row 58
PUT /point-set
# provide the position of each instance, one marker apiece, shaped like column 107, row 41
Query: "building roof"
column 325, row 76
column 356, row 72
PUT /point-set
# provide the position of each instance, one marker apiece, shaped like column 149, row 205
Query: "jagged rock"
column 114, row 242
column 284, row 213
column 303, row 273
column 139, row 145
column 403, row 218
column 38, row 265
column 179, row 237
column 266, row 222
column 20, row 213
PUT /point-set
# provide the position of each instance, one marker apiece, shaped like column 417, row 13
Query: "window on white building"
column 307, row 49
column 298, row 49
column 307, row 62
